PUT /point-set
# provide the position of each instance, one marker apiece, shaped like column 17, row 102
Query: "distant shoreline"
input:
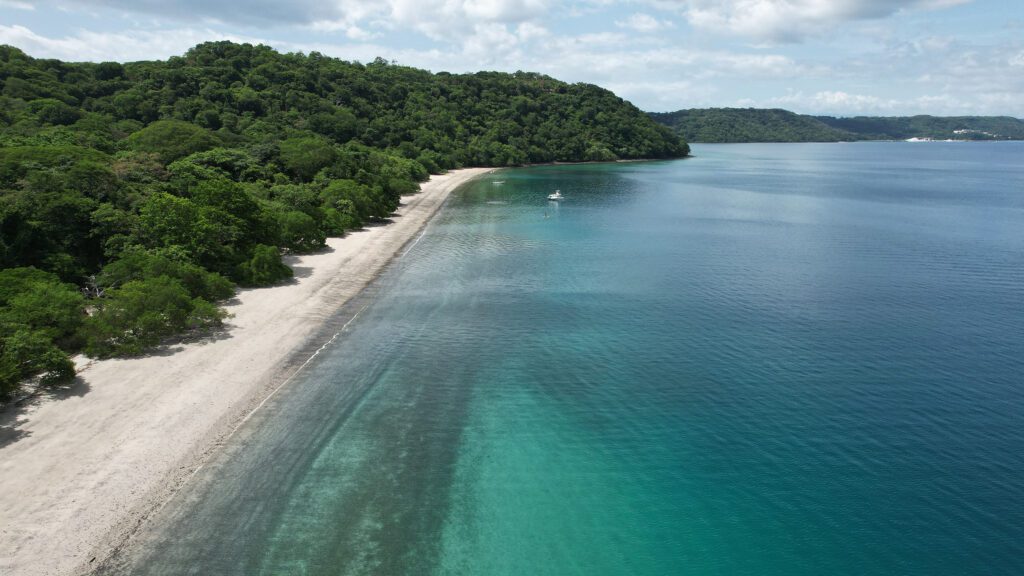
column 764, row 125
column 88, row 468
column 588, row 162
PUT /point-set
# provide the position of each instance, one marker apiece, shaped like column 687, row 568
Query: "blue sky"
column 841, row 57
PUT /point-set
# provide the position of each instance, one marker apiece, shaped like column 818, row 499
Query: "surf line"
column 273, row 392
column 418, row 238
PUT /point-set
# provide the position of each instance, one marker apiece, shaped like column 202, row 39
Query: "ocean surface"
column 770, row 359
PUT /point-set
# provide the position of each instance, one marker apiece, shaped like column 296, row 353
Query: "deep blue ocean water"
column 766, row 359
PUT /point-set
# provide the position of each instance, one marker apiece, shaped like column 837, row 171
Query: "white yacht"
column 556, row 196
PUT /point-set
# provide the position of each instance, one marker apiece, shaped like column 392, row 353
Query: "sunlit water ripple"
column 766, row 359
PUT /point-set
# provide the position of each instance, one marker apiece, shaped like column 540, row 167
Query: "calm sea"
column 765, row 359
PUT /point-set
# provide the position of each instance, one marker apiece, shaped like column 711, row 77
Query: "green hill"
column 774, row 125
column 144, row 192
column 934, row 127
column 748, row 125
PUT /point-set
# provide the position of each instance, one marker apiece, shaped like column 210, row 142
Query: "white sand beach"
column 81, row 470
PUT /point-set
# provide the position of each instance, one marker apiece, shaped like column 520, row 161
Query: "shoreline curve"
column 88, row 468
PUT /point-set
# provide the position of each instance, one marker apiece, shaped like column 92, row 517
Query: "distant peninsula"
column 777, row 125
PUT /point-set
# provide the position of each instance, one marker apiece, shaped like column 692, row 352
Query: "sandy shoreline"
column 80, row 471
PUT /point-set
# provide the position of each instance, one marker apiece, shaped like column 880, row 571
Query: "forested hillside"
column 134, row 197
column 774, row 125
column 934, row 127
column 749, row 125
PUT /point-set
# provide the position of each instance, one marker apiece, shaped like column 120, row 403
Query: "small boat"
column 556, row 196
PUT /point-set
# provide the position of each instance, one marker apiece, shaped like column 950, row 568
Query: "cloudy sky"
column 842, row 57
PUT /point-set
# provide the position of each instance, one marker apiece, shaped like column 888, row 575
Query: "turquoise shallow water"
column 766, row 359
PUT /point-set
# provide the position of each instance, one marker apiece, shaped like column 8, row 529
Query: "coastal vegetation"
column 930, row 127
column 776, row 125
column 135, row 197
column 748, row 125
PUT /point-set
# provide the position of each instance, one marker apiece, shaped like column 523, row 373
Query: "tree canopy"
column 134, row 197
column 775, row 125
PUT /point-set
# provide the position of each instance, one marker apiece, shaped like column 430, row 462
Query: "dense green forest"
column 748, row 125
column 934, row 127
column 774, row 125
column 135, row 197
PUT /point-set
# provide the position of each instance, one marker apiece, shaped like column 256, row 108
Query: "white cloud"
column 839, row 103
column 351, row 30
column 504, row 10
column 353, row 18
column 440, row 20
column 665, row 95
column 790, row 20
column 490, row 43
column 445, row 20
column 528, row 32
column 644, row 23
column 263, row 13
column 121, row 46
column 831, row 101
column 17, row 5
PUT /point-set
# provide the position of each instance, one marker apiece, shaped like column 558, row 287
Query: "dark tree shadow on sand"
column 12, row 415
